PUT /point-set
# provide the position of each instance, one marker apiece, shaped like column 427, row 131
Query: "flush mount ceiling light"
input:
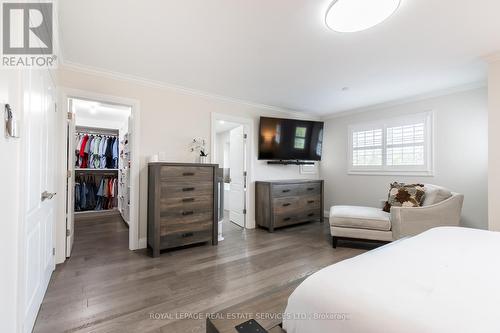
column 358, row 15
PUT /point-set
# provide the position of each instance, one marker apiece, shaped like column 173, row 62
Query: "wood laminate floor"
column 104, row 287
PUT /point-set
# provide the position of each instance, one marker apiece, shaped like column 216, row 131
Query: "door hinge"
column 244, row 173
column 244, row 211
column 53, row 251
column 68, row 233
column 70, row 115
column 245, row 136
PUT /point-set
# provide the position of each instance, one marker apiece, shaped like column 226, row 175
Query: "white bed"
column 444, row 280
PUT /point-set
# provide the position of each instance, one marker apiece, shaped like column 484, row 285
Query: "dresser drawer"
column 289, row 218
column 288, row 190
column 310, row 202
column 187, row 201
column 186, row 174
column 286, row 205
column 296, row 204
column 311, row 215
column 188, row 214
column 281, row 220
column 187, row 190
column 185, row 238
column 195, row 222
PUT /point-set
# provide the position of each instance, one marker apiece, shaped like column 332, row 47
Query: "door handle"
column 47, row 195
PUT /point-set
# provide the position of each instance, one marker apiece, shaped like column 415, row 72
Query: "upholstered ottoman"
column 356, row 222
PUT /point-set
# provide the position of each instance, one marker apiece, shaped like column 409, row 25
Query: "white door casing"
column 237, row 168
column 39, row 204
column 70, row 179
column 134, row 138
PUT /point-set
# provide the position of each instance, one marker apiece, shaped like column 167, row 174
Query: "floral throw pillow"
column 404, row 195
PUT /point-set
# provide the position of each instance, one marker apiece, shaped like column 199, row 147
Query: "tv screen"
column 290, row 139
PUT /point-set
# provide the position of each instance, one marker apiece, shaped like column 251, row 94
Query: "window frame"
column 415, row 170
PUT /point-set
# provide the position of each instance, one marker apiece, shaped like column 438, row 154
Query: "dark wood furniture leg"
column 334, row 242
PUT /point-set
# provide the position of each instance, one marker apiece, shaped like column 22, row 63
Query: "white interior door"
column 237, row 169
column 70, row 179
column 39, row 208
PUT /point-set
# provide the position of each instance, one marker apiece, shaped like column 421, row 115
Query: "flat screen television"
column 290, row 139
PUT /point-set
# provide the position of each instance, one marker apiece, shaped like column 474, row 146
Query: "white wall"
column 494, row 143
column 171, row 118
column 461, row 154
column 9, row 203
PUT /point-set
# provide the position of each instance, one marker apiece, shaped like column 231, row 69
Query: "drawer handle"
column 189, row 212
column 188, row 174
column 310, row 188
column 285, row 191
column 310, row 201
column 286, row 204
column 188, row 200
column 310, row 214
column 187, row 189
column 187, row 234
column 287, row 219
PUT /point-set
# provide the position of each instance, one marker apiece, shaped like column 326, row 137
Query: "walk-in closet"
column 99, row 161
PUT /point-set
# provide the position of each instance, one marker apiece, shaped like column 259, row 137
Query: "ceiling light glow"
column 358, row 15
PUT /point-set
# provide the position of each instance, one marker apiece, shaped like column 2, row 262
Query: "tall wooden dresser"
column 286, row 202
column 182, row 205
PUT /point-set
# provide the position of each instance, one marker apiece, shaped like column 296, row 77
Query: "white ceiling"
column 106, row 113
column 224, row 126
column 280, row 52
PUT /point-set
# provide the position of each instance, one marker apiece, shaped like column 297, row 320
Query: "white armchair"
column 441, row 208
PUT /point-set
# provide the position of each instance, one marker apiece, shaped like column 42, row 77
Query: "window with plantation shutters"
column 392, row 146
column 367, row 147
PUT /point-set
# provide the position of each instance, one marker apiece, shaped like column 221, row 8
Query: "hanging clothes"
column 94, row 193
column 109, row 154
column 95, row 151
column 115, row 153
column 82, row 156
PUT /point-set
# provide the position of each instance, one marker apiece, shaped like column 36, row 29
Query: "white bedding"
column 443, row 280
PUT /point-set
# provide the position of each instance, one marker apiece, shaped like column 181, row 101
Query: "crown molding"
column 407, row 100
column 76, row 67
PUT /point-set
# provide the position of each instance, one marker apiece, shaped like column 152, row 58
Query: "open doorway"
column 230, row 152
column 99, row 159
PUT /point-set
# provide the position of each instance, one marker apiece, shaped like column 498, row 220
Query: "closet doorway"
column 99, row 164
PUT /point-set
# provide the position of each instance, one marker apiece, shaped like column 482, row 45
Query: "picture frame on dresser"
column 182, row 205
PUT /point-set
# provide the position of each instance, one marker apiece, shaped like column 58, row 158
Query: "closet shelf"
column 97, row 170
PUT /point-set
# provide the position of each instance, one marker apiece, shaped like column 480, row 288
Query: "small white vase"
column 203, row 159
